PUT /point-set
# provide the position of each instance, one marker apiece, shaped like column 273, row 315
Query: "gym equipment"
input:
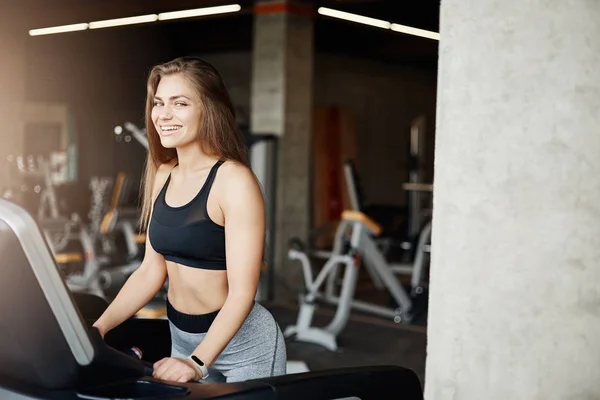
column 263, row 150
column 37, row 193
column 97, row 251
column 37, row 177
column 416, row 170
column 402, row 225
column 99, row 186
column 87, row 279
column 359, row 240
column 120, row 222
column 135, row 132
column 391, row 218
column 419, row 246
column 60, row 231
column 48, row 352
column 354, row 246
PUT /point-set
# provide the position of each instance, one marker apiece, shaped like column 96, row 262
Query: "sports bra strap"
column 211, row 175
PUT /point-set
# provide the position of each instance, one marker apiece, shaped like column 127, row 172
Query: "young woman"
column 204, row 213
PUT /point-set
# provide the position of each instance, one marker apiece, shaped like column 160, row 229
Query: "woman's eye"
column 180, row 104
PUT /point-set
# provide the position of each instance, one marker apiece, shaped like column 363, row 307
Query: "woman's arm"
column 143, row 284
column 243, row 207
column 137, row 291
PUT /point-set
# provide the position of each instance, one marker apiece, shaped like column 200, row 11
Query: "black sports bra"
column 186, row 234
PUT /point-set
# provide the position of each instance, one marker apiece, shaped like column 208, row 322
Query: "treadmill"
column 48, row 351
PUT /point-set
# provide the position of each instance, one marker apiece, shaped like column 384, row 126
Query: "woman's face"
column 176, row 112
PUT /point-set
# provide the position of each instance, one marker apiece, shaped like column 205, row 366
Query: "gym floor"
column 366, row 339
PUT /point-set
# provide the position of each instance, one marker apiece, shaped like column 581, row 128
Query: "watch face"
column 198, row 361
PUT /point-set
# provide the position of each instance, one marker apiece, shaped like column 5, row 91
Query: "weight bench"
column 49, row 352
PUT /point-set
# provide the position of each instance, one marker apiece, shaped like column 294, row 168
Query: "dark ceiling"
column 234, row 32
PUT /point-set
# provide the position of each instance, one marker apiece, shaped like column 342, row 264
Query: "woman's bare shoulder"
column 238, row 179
column 236, row 172
column 162, row 173
column 165, row 168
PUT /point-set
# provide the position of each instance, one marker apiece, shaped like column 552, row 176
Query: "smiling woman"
column 178, row 110
column 204, row 212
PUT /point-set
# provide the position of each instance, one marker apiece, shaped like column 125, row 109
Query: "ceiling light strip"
column 199, row 12
column 137, row 19
column 109, row 23
column 58, row 29
column 354, row 17
column 409, row 30
column 378, row 23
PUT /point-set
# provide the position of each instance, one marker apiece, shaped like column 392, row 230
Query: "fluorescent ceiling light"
column 123, row 21
column 415, row 31
column 378, row 23
column 198, row 12
column 137, row 20
column 353, row 17
column 58, row 29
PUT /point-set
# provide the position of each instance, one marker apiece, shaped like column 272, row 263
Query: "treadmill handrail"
column 38, row 255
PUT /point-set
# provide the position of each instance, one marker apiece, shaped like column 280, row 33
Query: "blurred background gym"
column 337, row 101
column 339, row 116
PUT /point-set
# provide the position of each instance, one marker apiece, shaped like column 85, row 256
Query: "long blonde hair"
column 219, row 133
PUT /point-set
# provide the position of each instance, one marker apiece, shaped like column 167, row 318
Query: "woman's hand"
column 176, row 370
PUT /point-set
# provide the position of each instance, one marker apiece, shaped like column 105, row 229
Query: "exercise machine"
column 391, row 218
column 263, row 149
column 48, row 351
column 416, row 186
column 354, row 247
column 96, row 250
column 100, row 188
column 69, row 239
column 119, row 226
column 360, row 241
column 419, row 247
column 35, row 183
column 402, row 225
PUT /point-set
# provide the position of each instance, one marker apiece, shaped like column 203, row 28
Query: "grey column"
column 281, row 104
column 515, row 280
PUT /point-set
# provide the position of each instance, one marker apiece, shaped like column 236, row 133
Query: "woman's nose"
column 165, row 113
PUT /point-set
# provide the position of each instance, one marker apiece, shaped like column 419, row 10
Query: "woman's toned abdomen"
column 196, row 291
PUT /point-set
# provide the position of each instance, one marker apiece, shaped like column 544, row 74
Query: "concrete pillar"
column 13, row 38
column 281, row 104
column 515, row 279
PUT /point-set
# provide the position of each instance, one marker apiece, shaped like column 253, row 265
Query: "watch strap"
column 200, row 365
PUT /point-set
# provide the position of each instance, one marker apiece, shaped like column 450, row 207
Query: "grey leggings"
column 256, row 351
